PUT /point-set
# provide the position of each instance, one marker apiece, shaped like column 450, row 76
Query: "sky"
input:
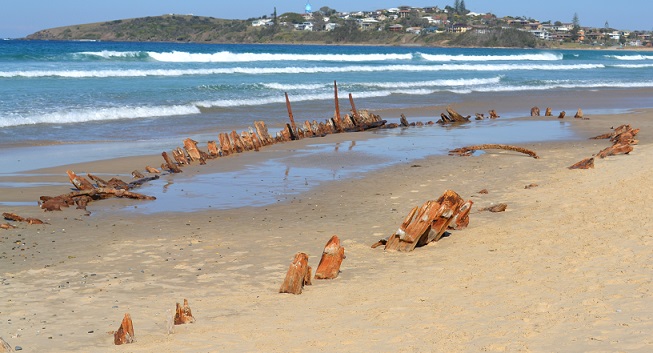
column 19, row 18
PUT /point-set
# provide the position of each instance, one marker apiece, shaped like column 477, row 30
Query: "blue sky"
column 19, row 18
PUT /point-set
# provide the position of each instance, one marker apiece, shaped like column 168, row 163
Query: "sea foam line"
column 294, row 70
column 227, row 57
column 519, row 57
column 634, row 57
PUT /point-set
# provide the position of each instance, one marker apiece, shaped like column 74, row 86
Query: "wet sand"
column 566, row 268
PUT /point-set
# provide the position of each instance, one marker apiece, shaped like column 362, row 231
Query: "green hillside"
column 187, row 28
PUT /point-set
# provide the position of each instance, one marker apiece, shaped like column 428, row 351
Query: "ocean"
column 113, row 99
column 106, row 91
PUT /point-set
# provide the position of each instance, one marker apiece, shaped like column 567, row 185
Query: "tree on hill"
column 575, row 30
column 292, row 17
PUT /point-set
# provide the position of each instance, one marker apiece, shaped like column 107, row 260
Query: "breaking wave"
column 295, row 70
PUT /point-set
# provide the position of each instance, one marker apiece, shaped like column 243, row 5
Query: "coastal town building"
column 433, row 19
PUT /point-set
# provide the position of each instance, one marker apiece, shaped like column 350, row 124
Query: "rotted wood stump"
column 79, row 182
column 125, row 333
column 586, row 163
column 428, row 223
column 299, row 275
column 191, row 148
column 332, row 257
column 183, row 314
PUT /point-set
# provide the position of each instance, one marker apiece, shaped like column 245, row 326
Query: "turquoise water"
column 105, row 91
column 71, row 102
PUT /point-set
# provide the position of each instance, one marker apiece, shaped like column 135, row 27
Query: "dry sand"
column 567, row 267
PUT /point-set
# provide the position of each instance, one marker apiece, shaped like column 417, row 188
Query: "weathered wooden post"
column 125, row 333
column 337, row 117
column 293, row 130
column 357, row 118
column 332, row 257
column 183, row 314
column 299, row 274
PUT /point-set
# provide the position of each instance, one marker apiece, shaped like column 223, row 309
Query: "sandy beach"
column 566, row 268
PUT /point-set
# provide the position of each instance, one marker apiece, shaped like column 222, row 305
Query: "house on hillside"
column 368, row 23
column 262, row 22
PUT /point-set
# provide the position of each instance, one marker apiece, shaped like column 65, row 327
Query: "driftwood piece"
column 191, row 148
column 17, row 218
column 427, row 224
column 115, row 183
column 586, row 163
column 495, row 208
column 263, row 133
column 603, row 136
column 141, row 181
column 579, row 114
column 213, row 149
column 293, row 127
column 403, row 121
column 298, row 275
column 614, row 150
column 356, row 117
column 452, row 204
column 183, row 314
column 461, row 218
column 152, row 170
column 48, row 203
column 98, row 181
column 255, row 139
column 138, row 175
column 125, row 333
column 535, row 111
column 169, row 164
column 467, row 151
column 562, row 115
column 406, row 238
column 548, row 112
column 530, row 186
column 237, row 142
column 225, row 144
column 452, row 117
column 337, row 120
column 180, row 156
column 332, row 257
column 7, row 226
column 79, row 182
column 4, row 346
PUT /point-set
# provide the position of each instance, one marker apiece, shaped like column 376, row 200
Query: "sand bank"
column 566, row 268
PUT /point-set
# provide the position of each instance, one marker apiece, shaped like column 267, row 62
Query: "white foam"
column 635, row 57
column 435, row 83
column 98, row 114
column 295, row 70
column 226, row 57
column 474, row 58
column 108, row 54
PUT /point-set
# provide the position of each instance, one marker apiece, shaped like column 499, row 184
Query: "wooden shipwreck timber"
column 254, row 138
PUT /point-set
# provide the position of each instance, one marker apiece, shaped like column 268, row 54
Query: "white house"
column 262, row 22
